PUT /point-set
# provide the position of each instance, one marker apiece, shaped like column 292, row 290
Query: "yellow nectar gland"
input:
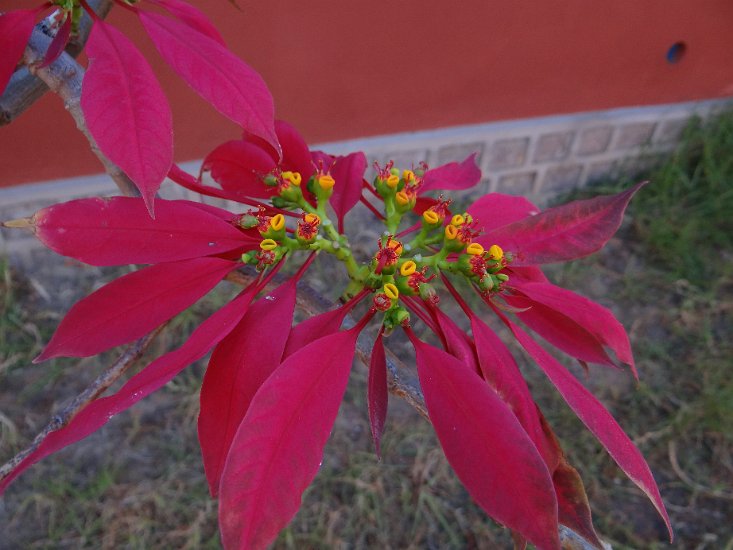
column 293, row 177
column 391, row 291
column 496, row 252
column 451, row 232
column 431, row 217
column 408, row 175
column 393, row 180
column 408, row 268
column 401, row 198
column 395, row 245
column 326, row 181
column 312, row 219
column 268, row 244
column 475, row 249
column 457, row 220
column 277, row 222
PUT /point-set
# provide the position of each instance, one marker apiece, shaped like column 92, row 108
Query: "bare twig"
column 105, row 379
column 24, row 88
column 64, row 77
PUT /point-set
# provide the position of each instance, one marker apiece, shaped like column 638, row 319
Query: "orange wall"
column 342, row 69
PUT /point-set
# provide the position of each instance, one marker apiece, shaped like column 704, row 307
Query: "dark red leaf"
column 152, row 378
column 348, row 172
column 16, row 28
column 278, row 447
column 456, row 341
column 452, row 176
column 220, row 77
column 564, row 232
column 129, row 307
column 118, row 231
column 192, row 17
column 237, row 368
column 495, row 210
column 238, row 166
column 596, row 418
column 126, row 110
column 487, row 447
column 377, row 397
column 296, row 155
column 578, row 326
column 58, row 43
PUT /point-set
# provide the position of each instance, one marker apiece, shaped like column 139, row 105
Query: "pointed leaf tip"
column 126, row 110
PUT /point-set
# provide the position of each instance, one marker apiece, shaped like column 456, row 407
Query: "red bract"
column 272, row 390
column 15, row 30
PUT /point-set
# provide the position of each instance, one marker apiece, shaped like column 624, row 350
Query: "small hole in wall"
column 676, row 52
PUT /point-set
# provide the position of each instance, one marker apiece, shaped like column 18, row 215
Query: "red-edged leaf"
column 596, row 418
column 153, row 377
column 133, row 305
column 377, row 397
column 487, row 447
column 58, row 43
column 192, row 17
column 348, row 172
column 564, row 232
column 220, row 77
column 16, row 28
column 237, row 369
column 452, row 176
column 118, row 231
column 578, row 326
column 279, row 445
column 126, row 110
column 238, row 166
column 495, row 209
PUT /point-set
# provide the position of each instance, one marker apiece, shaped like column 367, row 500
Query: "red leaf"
column 129, row 307
column 495, row 210
column 314, row 328
column 502, row 372
column 238, row 167
column 596, row 418
column 348, row 172
column 487, row 447
column 564, row 232
column 16, row 28
column 152, row 378
column 237, row 368
column 377, row 392
column 218, row 76
column 126, row 110
column 118, row 231
column 455, row 340
column 58, row 43
column 452, row 176
column 192, row 17
column 573, row 323
column 573, row 507
column 296, row 155
column 279, row 445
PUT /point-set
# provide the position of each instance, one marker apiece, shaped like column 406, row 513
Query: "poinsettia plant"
column 272, row 387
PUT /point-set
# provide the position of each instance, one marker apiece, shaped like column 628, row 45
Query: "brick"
column 561, row 178
column 521, row 183
column 508, row 153
column 594, row 140
column 671, row 131
column 405, row 159
column 457, row 153
column 634, row 135
column 553, row 147
column 600, row 171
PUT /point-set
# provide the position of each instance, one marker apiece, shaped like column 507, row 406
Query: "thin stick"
column 98, row 386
